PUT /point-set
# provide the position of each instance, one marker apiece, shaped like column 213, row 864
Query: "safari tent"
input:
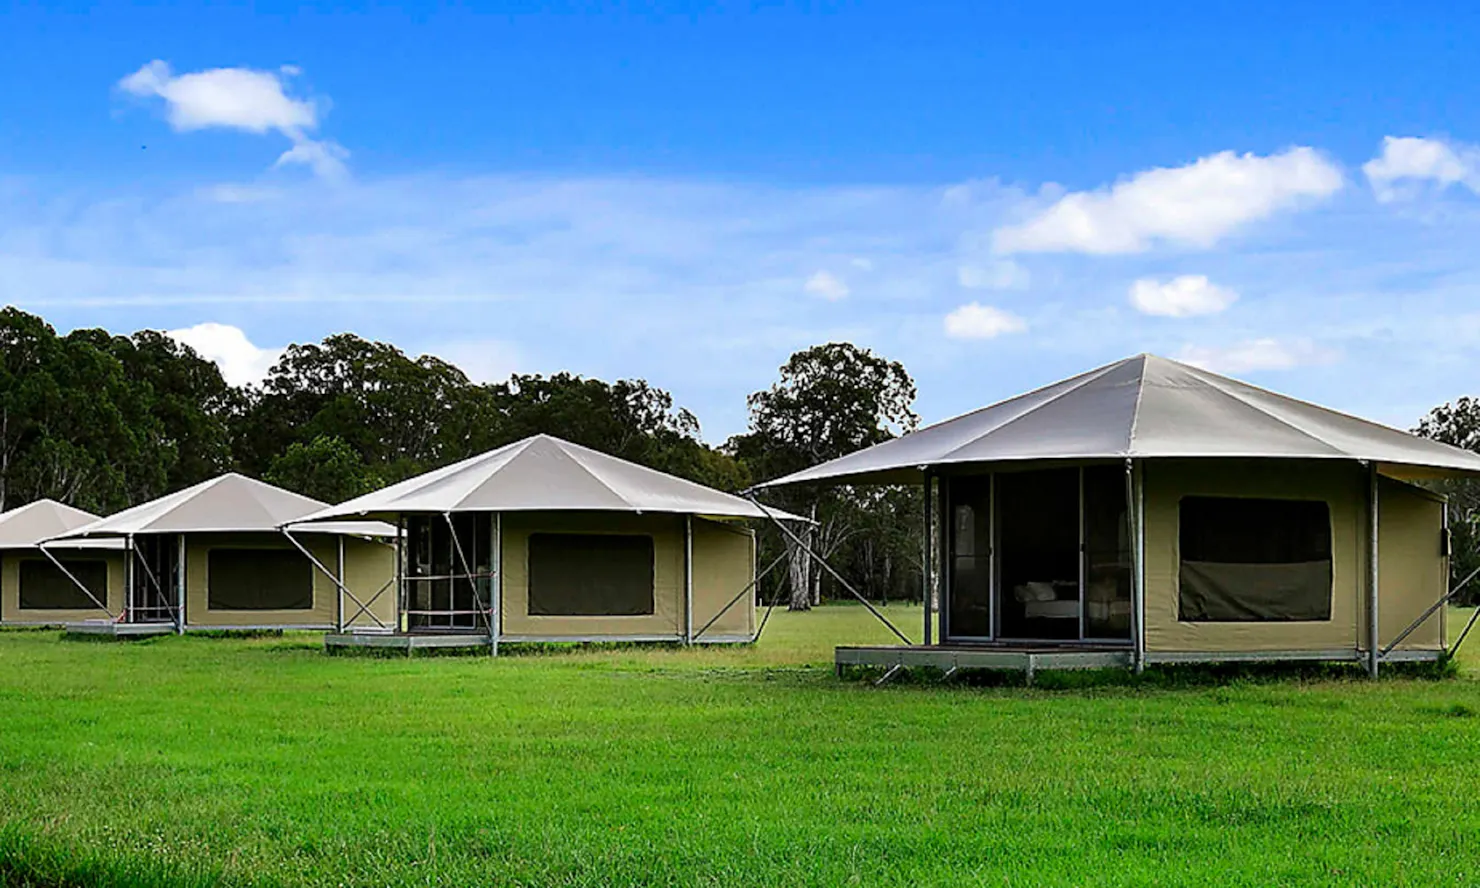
column 1150, row 511
column 77, row 581
column 228, row 554
column 544, row 540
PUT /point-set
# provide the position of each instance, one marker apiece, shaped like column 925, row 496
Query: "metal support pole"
column 1374, row 655
column 688, row 579
column 180, row 561
column 130, row 599
column 1135, row 475
column 927, row 586
column 822, row 562
column 400, row 577
column 339, row 590
column 497, row 592
column 1083, row 562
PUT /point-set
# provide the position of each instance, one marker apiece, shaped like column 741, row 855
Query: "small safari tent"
column 77, row 581
column 227, row 554
column 1153, row 512
column 546, row 541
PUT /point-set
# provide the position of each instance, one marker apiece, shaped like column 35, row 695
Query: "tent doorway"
column 448, row 572
column 1041, row 556
column 154, row 578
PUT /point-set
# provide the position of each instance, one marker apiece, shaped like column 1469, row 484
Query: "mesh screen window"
column 44, row 587
column 590, row 575
column 1254, row 560
column 259, row 579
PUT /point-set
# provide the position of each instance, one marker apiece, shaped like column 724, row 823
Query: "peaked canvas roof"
column 28, row 526
column 1143, row 407
column 229, row 503
column 544, row 473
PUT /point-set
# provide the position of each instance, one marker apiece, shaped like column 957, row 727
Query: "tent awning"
column 1142, row 408
column 545, row 474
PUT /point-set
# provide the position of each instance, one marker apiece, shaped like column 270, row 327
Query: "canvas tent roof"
column 229, row 503
column 1143, row 407
column 29, row 525
column 543, row 473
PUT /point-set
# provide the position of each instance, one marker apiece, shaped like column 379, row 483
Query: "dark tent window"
column 1254, row 560
column 260, row 579
column 581, row 574
column 44, row 587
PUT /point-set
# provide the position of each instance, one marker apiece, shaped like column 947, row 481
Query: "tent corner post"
column 339, row 588
column 180, row 562
column 496, row 594
column 688, row 579
column 1135, row 474
column 1374, row 651
column 927, row 546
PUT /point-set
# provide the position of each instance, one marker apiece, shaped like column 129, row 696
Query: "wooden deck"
column 407, row 641
column 1025, row 658
column 110, row 629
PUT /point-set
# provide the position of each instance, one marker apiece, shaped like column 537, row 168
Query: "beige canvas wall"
column 723, row 565
column 10, row 605
column 370, row 573
column 368, row 565
column 1413, row 570
column 667, row 618
column 1342, row 485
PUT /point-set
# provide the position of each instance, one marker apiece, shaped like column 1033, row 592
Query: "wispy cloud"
column 1183, row 296
column 700, row 287
column 977, row 321
column 827, row 285
column 1195, row 205
column 1259, row 354
column 245, row 99
column 1407, row 163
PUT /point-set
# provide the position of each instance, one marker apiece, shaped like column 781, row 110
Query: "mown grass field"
column 262, row 761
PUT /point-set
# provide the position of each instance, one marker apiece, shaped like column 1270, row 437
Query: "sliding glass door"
column 1040, row 555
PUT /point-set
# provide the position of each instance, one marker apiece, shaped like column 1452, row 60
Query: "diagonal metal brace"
column 829, row 568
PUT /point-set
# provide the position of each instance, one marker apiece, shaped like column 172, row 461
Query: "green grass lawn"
column 263, row 761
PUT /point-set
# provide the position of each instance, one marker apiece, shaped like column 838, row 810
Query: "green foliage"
column 1458, row 424
column 263, row 762
column 325, row 468
column 832, row 400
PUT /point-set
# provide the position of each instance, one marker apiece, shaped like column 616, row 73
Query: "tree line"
column 104, row 421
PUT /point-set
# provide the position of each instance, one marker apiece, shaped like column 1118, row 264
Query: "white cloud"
column 1258, row 354
column 1181, row 297
column 1407, row 162
column 977, row 321
column 325, row 158
column 243, row 99
column 1195, row 205
column 994, row 274
column 827, row 285
column 240, row 361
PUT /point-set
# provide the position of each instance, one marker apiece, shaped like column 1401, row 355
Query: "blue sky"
column 996, row 196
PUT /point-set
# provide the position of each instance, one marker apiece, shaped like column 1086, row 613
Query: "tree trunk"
column 800, row 570
column 799, row 573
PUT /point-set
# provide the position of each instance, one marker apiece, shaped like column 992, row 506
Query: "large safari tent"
column 1149, row 511
column 74, row 581
column 544, row 540
column 227, row 554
